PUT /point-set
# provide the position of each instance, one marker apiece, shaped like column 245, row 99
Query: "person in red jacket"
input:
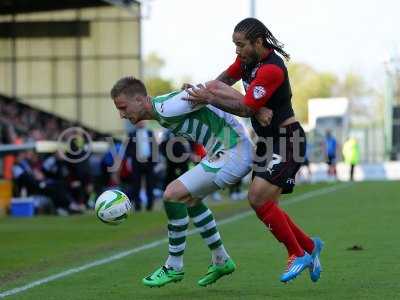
column 281, row 140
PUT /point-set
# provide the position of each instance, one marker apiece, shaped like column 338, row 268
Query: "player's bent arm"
column 268, row 79
column 225, row 78
column 233, row 107
column 222, row 90
column 239, row 106
column 176, row 106
column 228, row 99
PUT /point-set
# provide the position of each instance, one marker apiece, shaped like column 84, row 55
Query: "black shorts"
column 331, row 160
column 278, row 158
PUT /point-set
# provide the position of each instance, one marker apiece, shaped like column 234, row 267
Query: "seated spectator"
column 27, row 176
column 9, row 136
column 79, row 179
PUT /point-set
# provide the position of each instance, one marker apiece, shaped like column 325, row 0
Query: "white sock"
column 219, row 255
column 175, row 262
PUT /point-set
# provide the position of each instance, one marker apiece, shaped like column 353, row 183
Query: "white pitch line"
column 157, row 243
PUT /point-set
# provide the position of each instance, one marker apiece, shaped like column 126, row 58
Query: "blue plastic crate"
column 22, row 207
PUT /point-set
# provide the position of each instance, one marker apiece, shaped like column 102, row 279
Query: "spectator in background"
column 109, row 173
column 52, row 129
column 351, row 154
column 29, row 178
column 79, row 180
column 302, row 175
column 140, row 152
column 330, row 152
column 54, row 167
column 57, row 172
column 116, row 170
column 35, row 134
column 9, row 136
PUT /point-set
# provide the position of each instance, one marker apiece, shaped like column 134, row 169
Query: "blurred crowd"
column 58, row 186
column 64, row 184
column 32, row 124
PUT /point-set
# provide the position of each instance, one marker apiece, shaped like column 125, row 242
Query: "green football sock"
column 177, row 230
column 203, row 219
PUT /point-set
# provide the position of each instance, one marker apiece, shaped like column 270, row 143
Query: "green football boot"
column 215, row 272
column 163, row 276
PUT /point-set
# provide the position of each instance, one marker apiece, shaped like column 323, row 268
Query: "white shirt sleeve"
column 176, row 106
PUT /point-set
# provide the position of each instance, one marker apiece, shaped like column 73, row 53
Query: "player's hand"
column 264, row 116
column 186, row 86
column 198, row 94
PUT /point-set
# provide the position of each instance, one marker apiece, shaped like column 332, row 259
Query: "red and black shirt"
column 266, row 84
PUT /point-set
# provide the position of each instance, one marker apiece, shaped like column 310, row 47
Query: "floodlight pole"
column 14, row 69
column 392, row 68
column 253, row 8
column 79, row 70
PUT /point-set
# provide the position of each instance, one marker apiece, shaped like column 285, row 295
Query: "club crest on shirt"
column 259, row 92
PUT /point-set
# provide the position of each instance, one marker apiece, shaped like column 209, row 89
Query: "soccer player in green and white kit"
column 229, row 158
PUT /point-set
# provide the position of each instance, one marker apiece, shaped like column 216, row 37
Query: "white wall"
column 375, row 171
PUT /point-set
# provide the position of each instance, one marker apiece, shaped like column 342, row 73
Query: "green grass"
column 364, row 214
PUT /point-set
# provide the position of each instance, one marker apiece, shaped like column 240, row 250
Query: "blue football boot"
column 315, row 267
column 296, row 265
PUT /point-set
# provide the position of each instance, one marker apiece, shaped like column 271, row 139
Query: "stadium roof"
column 8, row 7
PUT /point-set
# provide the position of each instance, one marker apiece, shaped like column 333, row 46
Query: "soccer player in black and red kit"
column 281, row 140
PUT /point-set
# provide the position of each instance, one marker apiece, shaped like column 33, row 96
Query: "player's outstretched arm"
column 222, row 96
column 224, row 91
column 225, row 78
column 176, row 105
column 228, row 99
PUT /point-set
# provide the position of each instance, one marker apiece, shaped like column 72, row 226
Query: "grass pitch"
column 359, row 224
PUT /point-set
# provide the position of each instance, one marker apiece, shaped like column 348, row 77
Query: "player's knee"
column 255, row 197
column 173, row 194
column 169, row 194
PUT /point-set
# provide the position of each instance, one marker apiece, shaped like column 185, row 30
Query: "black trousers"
column 352, row 172
column 173, row 171
column 58, row 194
column 143, row 172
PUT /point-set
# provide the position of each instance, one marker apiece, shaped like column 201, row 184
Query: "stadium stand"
column 66, row 185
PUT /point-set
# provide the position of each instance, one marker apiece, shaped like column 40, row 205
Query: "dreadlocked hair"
column 254, row 28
